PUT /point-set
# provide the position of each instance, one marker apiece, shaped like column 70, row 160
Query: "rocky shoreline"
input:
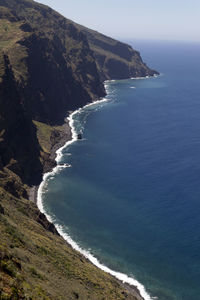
column 50, row 162
column 66, row 136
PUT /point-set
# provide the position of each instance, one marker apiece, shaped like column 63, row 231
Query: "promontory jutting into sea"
column 99, row 160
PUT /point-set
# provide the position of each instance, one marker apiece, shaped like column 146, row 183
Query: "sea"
column 127, row 195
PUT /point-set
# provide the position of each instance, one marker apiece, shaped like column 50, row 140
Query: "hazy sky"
column 127, row 19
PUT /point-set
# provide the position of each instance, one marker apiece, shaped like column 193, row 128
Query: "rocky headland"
column 49, row 66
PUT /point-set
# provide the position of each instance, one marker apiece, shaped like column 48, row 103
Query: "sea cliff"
column 49, row 66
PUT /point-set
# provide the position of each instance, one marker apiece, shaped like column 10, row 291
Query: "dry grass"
column 10, row 33
column 44, row 134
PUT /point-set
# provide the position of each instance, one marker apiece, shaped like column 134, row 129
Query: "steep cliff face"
column 51, row 60
column 48, row 66
column 46, row 69
column 115, row 60
column 17, row 133
column 53, row 66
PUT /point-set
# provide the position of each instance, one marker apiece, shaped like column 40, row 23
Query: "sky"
column 135, row 19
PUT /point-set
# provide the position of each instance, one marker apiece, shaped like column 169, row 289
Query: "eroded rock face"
column 19, row 150
column 50, row 65
column 41, row 218
column 115, row 60
column 46, row 69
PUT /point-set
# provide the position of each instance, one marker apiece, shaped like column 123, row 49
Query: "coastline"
column 64, row 138
column 35, row 195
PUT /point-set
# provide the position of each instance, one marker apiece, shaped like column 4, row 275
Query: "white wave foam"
column 121, row 276
column 132, row 87
column 66, row 154
column 63, row 166
column 146, row 77
column 140, row 78
column 42, row 189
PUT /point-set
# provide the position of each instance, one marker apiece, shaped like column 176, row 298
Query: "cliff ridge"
column 49, row 66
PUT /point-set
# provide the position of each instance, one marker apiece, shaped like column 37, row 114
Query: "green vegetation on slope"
column 37, row 264
column 45, row 134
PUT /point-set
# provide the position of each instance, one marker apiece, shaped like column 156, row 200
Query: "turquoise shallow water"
column 132, row 193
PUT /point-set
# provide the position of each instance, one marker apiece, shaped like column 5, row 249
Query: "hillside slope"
column 48, row 66
column 36, row 263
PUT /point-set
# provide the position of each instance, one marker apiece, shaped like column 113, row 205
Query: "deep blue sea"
column 132, row 194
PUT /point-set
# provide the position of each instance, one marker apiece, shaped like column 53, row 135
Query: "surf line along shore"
column 68, row 137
